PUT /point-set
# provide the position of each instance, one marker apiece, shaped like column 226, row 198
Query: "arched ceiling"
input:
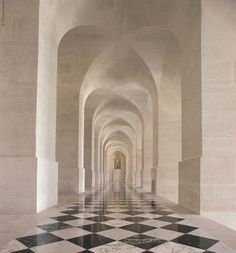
column 119, row 17
column 118, row 73
column 122, row 69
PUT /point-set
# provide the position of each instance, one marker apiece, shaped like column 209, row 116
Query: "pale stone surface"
column 14, row 226
column 189, row 184
column 175, row 248
column 18, row 195
column 18, row 84
column 47, row 184
column 153, row 80
column 168, row 182
column 18, row 78
column 226, row 219
column 60, row 247
column 218, row 174
column 146, row 50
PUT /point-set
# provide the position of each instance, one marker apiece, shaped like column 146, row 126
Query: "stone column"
column 191, row 114
column 218, row 180
column 147, row 180
column 18, row 88
column 154, row 181
column 116, row 177
column 138, row 178
column 81, row 185
column 88, row 179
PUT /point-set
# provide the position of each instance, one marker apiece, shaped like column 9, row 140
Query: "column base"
column 88, row 178
column 47, row 184
column 27, row 184
column 218, row 184
column 138, row 178
column 147, row 180
column 189, row 184
column 18, row 180
column 68, row 180
column 167, row 181
column 81, row 186
column 207, row 185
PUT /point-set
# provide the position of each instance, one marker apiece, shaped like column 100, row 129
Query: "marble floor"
column 226, row 219
column 116, row 220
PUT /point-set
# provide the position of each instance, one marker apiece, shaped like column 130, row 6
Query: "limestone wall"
column 18, row 87
column 218, row 166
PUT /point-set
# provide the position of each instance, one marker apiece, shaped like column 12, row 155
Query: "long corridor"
column 116, row 220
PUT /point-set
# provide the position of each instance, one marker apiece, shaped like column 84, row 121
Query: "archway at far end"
column 116, row 167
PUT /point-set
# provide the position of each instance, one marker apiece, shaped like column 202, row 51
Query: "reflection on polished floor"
column 115, row 220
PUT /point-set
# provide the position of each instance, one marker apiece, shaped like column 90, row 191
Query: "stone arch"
column 189, row 151
column 110, row 161
column 121, row 139
column 183, row 19
column 90, row 83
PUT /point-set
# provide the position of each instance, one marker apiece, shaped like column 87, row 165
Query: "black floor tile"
column 90, row 241
column 102, row 212
column 195, row 241
column 71, row 212
column 132, row 212
column 143, row 241
column 100, row 218
column 40, row 239
column 162, row 212
column 147, row 251
column 135, row 219
column 96, row 227
column 169, row 219
column 65, row 218
column 23, row 251
column 75, row 207
column 54, row 226
column 180, row 228
column 138, row 228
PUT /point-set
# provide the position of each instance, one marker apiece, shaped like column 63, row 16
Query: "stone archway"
column 59, row 33
column 186, row 117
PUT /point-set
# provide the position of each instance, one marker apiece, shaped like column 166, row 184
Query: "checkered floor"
column 116, row 221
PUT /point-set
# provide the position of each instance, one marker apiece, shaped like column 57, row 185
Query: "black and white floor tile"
column 118, row 221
